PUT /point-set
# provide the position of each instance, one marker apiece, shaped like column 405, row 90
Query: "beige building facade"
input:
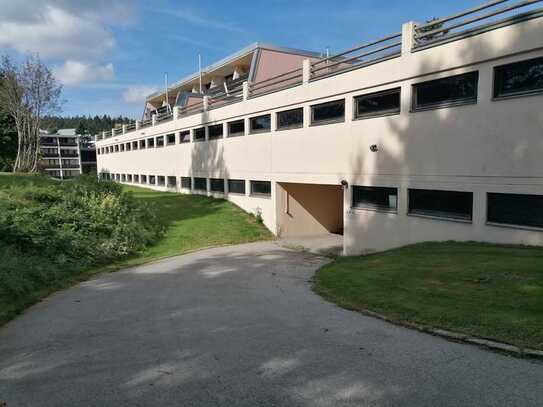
column 432, row 134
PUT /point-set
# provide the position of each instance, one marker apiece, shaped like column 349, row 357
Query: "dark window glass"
column 328, row 112
column 261, row 187
column 152, row 179
column 215, row 131
column 236, row 128
column 377, row 104
column 515, row 209
column 121, row 147
column 216, row 184
column 143, row 179
column 116, row 148
column 128, row 147
column 172, row 182
column 457, row 89
column 184, row 136
column 170, row 139
column 375, row 198
column 260, row 124
column 136, row 178
column 123, row 177
column 289, row 119
column 150, row 142
column 519, row 78
column 200, row 184
column 134, row 145
column 236, row 186
column 200, row 134
column 129, row 177
column 185, row 182
column 160, row 141
column 161, row 180
column 142, row 144
column 445, row 204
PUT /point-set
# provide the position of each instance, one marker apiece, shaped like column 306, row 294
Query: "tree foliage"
column 83, row 124
column 28, row 91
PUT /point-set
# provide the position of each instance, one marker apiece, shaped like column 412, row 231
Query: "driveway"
column 238, row 326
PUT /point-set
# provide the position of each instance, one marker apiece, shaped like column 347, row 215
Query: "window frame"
column 219, row 125
column 314, row 122
column 194, row 139
column 259, row 131
column 381, row 113
column 235, row 192
column 185, row 179
column 238, row 134
column 159, row 142
column 221, row 191
column 292, row 126
column 143, row 179
column 135, row 145
column 439, row 215
column 142, row 144
column 168, row 142
column 152, row 140
column 259, row 194
column 509, row 225
column 512, row 95
column 442, row 105
column 195, row 188
column 375, row 207
column 184, row 133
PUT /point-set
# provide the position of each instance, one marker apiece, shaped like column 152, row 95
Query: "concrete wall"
column 309, row 209
column 492, row 146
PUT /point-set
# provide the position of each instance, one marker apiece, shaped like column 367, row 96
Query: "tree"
column 27, row 92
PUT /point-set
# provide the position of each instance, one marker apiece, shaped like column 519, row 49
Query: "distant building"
column 66, row 154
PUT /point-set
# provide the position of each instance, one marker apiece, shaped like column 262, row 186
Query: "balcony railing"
column 131, row 126
column 276, row 83
column 117, row 131
column 107, row 134
column 475, row 20
column 189, row 110
column 231, row 92
column 146, row 123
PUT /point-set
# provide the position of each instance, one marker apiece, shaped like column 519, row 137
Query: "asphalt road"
column 238, row 326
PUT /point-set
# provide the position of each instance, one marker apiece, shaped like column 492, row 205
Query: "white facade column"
column 408, row 37
column 175, row 112
column 153, row 120
column 205, row 102
column 306, row 71
column 245, row 90
column 124, row 128
column 138, row 124
column 103, row 135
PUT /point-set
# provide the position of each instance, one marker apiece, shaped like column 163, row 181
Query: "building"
column 430, row 134
column 66, row 154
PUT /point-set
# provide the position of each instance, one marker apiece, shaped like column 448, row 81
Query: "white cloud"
column 138, row 93
column 58, row 33
column 196, row 18
column 75, row 72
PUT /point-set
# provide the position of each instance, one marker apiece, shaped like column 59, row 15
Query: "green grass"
column 192, row 222
column 484, row 290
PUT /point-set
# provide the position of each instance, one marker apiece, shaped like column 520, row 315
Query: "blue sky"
column 110, row 53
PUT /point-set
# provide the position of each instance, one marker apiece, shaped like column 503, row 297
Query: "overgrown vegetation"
column 56, row 233
column 472, row 288
column 50, row 231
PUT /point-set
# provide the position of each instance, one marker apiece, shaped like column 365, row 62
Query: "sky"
column 110, row 54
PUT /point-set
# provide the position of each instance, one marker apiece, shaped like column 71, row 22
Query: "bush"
column 52, row 230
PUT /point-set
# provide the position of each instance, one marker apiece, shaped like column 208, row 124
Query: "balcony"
column 69, row 153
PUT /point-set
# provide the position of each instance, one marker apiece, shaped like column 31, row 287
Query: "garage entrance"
column 309, row 210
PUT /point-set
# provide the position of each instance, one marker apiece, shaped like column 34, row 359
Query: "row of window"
column 219, row 185
column 502, row 208
column 516, row 79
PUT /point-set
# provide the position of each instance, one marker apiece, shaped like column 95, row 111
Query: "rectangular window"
column 215, row 131
column 172, row 182
column 519, row 78
column 142, row 144
column 329, row 112
column 161, row 180
column 116, row 148
column 121, row 147
column 236, row 186
column 200, row 184
column 136, row 178
column 377, row 198
column 185, row 182
column 160, row 141
column 451, row 91
column 200, row 134
column 150, row 142
column 260, row 124
column 236, row 128
column 184, row 136
column 134, row 145
column 129, row 177
column 170, row 139
column 143, row 179
column 152, row 179
column 442, row 204
column 123, row 177
column 216, row 185
column 128, row 147
column 261, row 188
column 290, row 119
column 377, row 104
column 515, row 209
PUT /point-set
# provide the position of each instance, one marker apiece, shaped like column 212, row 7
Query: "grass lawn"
column 478, row 289
column 192, row 222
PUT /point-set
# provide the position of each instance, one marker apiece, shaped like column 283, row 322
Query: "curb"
column 463, row 338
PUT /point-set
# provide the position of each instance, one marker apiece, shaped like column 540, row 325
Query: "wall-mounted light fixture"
column 374, row 148
column 344, row 184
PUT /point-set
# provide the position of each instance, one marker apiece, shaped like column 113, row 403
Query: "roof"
column 66, row 132
column 241, row 53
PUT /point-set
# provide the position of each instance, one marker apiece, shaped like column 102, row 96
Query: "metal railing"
column 117, row 131
column 469, row 21
column 146, row 123
column 362, row 55
column 276, row 83
column 131, row 126
column 189, row 110
column 231, row 92
column 107, row 134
